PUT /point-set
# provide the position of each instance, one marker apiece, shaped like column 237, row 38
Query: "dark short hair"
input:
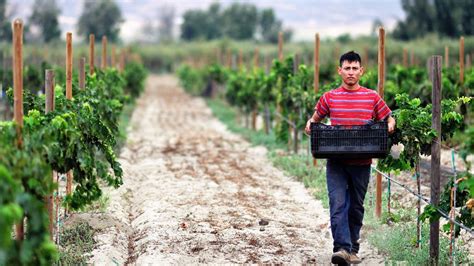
column 350, row 56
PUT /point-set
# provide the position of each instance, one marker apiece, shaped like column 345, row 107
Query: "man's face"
column 350, row 72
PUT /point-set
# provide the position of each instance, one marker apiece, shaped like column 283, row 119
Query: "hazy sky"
column 306, row 17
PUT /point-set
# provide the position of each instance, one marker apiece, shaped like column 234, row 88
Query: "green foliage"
column 238, row 21
column 5, row 25
column 467, row 147
column 399, row 242
column 192, row 80
column 200, row 81
column 269, row 25
column 101, row 18
column 134, row 75
column 292, row 91
column 78, row 135
column 463, row 194
column 199, row 24
column 445, row 17
column 217, row 73
column 24, row 195
column 45, row 17
column 242, row 89
column 414, row 130
column 75, row 242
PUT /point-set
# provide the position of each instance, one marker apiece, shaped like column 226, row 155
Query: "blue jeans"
column 347, row 186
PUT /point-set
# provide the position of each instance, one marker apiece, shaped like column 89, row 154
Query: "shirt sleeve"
column 322, row 107
column 381, row 109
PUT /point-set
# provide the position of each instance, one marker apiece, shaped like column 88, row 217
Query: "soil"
column 194, row 192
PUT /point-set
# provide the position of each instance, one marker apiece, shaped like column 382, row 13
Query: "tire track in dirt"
column 195, row 193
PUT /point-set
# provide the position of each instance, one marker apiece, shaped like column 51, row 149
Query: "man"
column 347, row 180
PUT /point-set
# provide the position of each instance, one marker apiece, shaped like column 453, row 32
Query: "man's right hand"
column 307, row 129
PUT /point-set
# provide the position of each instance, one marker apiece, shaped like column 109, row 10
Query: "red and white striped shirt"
column 352, row 107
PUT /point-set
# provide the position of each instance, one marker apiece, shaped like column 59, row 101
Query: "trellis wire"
column 418, row 195
column 426, row 200
column 452, row 244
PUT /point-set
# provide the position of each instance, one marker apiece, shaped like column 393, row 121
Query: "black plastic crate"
column 349, row 142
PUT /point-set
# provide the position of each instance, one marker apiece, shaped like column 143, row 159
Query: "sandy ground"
column 195, row 193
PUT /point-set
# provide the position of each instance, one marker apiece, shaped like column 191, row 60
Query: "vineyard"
column 285, row 95
column 69, row 130
column 214, row 166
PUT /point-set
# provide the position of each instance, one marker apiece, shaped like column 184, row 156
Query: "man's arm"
column 391, row 124
column 314, row 119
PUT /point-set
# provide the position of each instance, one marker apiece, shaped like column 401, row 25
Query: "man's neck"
column 351, row 88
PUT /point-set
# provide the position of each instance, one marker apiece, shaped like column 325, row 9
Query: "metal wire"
column 286, row 119
column 452, row 244
column 389, row 192
column 426, row 200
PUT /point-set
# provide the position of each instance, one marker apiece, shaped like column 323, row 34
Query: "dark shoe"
column 354, row 259
column 342, row 257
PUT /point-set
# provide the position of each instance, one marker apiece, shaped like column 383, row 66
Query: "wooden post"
column 82, row 73
column 268, row 64
column 255, row 109
column 316, row 72
column 104, row 53
column 446, row 56
column 436, row 64
column 468, row 61
column 380, row 87
column 233, row 61
column 49, row 90
column 241, row 59
column 366, row 57
column 6, row 115
column 112, row 58
column 229, row 58
column 461, row 60
column 418, row 203
column 256, row 57
column 316, row 64
column 69, row 65
column 280, row 46
column 296, row 64
column 69, row 95
column 91, row 53
column 49, row 106
column 122, row 61
column 405, row 57
column 280, row 58
column 218, row 56
column 337, row 53
column 18, row 96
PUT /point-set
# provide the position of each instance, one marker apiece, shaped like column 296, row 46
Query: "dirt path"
column 195, row 193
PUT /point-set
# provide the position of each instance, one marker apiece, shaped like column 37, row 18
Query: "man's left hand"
column 391, row 128
column 391, row 125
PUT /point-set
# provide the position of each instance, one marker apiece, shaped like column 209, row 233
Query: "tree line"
column 450, row 18
column 240, row 21
column 103, row 18
column 99, row 17
column 237, row 21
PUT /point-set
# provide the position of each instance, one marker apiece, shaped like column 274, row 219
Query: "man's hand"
column 391, row 125
column 314, row 119
column 307, row 129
